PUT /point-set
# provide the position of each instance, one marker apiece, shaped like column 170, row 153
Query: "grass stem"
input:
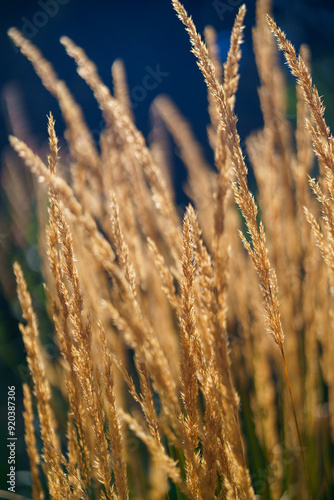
column 297, row 427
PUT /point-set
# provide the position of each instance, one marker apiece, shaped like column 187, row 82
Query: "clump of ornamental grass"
column 160, row 401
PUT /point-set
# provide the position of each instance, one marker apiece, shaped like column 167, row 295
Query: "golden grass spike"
column 276, row 134
column 57, row 480
column 215, row 377
column 122, row 132
column 115, row 430
column 121, row 91
column 230, row 85
column 83, row 360
column 258, row 251
column 303, row 141
column 77, row 348
column 61, row 314
column 273, row 160
column 42, row 67
column 74, row 465
column 320, row 132
column 222, row 160
column 210, row 36
column 190, row 348
column 147, row 402
column 204, row 62
column 165, row 275
column 66, row 194
column 30, row 438
column 53, row 145
column 188, row 319
column 231, row 66
column 298, row 67
column 80, row 139
column 134, row 143
column 120, row 245
column 326, row 248
column 272, row 88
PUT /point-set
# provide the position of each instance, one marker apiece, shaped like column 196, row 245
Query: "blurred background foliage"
column 144, row 34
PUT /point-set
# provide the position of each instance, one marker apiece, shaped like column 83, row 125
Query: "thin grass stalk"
column 297, row 426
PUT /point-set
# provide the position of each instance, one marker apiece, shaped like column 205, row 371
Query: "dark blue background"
column 148, row 33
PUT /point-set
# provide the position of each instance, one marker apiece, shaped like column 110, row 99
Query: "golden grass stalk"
column 322, row 140
column 190, row 349
column 115, row 431
column 300, row 70
column 57, row 480
column 30, row 438
column 243, row 196
column 78, row 447
column 258, row 251
column 210, row 36
column 130, row 136
column 83, row 150
column 64, row 191
column 121, row 90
